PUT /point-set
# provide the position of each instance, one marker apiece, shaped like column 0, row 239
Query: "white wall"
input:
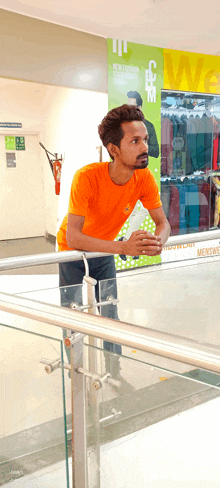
column 67, row 121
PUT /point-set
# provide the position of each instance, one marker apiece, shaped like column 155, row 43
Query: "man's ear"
column 112, row 149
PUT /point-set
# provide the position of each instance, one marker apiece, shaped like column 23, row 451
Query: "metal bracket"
column 53, row 365
column 109, row 300
column 99, row 381
column 73, row 339
column 115, row 415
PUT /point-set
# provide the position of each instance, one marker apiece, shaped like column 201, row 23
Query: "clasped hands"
column 142, row 243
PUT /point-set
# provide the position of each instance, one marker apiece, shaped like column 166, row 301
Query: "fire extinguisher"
column 57, row 174
column 56, row 165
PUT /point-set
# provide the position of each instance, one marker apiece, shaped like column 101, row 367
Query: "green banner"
column 139, row 69
column 10, row 143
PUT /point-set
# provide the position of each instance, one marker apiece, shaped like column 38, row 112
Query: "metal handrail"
column 160, row 343
column 64, row 256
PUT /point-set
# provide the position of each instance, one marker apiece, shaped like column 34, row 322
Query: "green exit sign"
column 20, row 143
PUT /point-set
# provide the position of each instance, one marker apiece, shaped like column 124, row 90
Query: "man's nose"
column 145, row 146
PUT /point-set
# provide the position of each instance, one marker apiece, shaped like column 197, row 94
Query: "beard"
column 141, row 164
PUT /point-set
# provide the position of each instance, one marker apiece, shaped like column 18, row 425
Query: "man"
column 103, row 196
column 135, row 99
column 140, row 213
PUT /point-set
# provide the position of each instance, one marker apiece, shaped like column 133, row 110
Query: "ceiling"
column 188, row 25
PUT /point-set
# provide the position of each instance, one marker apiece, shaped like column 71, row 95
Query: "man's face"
column 133, row 151
column 133, row 101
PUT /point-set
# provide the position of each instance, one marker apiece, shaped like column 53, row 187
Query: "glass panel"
column 64, row 295
column 155, row 428
column 33, row 422
column 178, row 300
column 190, row 152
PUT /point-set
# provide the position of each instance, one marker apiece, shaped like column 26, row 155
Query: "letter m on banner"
column 150, row 78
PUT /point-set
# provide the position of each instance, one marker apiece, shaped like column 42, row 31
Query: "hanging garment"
column 174, row 210
column 165, row 197
column 200, row 144
column 216, row 183
column 208, row 131
column 166, row 146
column 218, row 159
column 204, row 197
column 192, row 206
column 216, row 128
column 215, row 153
column 216, row 214
column 212, row 207
column 218, row 208
column 182, row 207
column 186, row 154
column 191, row 140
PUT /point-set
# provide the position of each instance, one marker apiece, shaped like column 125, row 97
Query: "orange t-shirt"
column 105, row 205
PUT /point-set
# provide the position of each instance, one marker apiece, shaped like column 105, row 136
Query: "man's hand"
column 142, row 243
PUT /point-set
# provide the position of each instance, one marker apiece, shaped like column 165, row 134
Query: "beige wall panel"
column 43, row 52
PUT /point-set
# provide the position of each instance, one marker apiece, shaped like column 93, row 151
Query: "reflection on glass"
column 149, row 426
column 190, row 155
column 180, row 301
column 33, row 441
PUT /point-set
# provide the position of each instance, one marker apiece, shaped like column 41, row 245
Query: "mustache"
column 144, row 155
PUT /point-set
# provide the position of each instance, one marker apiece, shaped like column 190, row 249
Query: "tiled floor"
column 180, row 452
column 25, row 247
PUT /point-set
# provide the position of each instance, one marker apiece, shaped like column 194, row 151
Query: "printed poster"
column 135, row 76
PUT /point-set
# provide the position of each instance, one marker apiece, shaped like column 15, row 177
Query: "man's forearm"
column 163, row 230
column 82, row 242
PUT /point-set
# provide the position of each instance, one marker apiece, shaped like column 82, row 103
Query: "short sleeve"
column 150, row 196
column 80, row 194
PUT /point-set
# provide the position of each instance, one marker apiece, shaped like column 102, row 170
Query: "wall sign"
column 10, row 143
column 10, row 160
column 20, row 143
column 11, row 125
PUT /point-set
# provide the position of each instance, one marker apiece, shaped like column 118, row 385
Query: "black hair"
column 110, row 130
column 136, row 95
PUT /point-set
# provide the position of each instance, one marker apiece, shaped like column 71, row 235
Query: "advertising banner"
column 191, row 72
column 135, row 76
column 171, row 254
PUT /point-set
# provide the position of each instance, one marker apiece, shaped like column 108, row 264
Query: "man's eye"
column 134, row 140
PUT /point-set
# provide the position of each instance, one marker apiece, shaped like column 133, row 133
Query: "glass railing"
column 136, row 417
column 155, row 428
column 178, row 300
column 35, row 409
column 139, row 408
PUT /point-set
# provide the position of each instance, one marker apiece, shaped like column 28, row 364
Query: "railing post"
column 78, row 395
column 93, row 396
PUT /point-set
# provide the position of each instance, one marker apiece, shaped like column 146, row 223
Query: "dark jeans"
column 72, row 273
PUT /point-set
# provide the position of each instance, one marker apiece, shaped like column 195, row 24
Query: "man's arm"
column 81, row 242
column 140, row 242
column 162, row 225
